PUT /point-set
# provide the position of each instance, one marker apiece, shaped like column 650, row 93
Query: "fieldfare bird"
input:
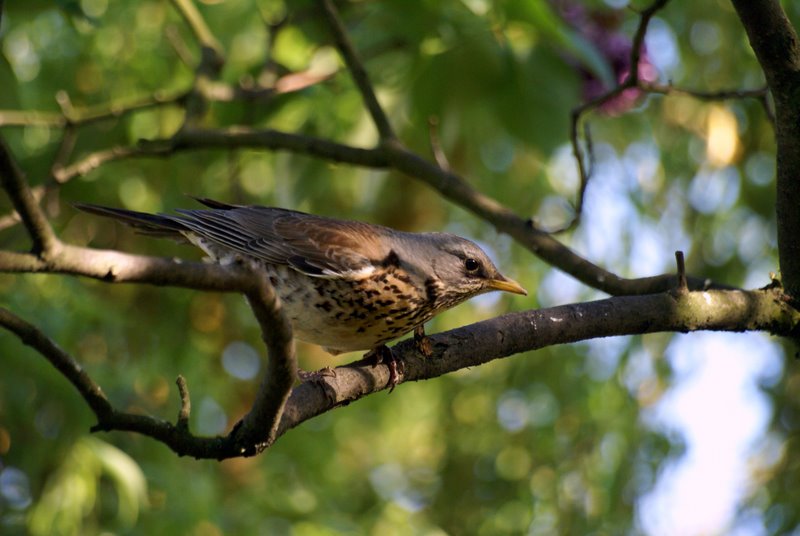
column 344, row 285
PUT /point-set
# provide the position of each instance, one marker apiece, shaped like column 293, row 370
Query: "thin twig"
column 760, row 94
column 436, row 145
column 683, row 286
column 718, row 95
column 94, row 160
column 12, row 218
column 229, row 138
column 638, row 40
column 208, row 42
column 179, row 46
column 186, row 404
column 357, row 71
column 31, row 336
column 630, row 81
column 64, row 151
column 25, row 203
column 81, row 117
column 212, row 59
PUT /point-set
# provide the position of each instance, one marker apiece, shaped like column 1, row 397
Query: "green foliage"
column 548, row 443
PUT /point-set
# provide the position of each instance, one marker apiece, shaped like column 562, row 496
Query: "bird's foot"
column 383, row 354
column 422, row 341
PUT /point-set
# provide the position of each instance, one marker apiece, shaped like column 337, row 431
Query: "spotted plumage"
column 345, row 285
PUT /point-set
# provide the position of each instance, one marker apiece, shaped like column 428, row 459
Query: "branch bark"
column 357, row 70
column 389, row 154
column 776, row 45
column 277, row 409
column 273, row 414
column 25, row 203
column 116, row 267
column 393, row 155
column 259, row 428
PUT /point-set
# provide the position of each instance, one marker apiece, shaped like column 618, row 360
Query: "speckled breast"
column 344, row 315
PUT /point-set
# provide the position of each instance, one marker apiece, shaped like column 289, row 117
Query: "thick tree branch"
column 476, row 344
column 776, row 45
column 116, row 267
column 258, row 429
column 469, row 346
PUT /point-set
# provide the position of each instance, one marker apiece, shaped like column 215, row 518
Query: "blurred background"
column 661, row 434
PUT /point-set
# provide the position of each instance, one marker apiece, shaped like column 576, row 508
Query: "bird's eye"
column 471, row 265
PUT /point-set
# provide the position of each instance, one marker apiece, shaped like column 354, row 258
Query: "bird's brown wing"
column 317, row 246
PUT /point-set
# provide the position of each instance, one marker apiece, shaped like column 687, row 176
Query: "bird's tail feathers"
column 211, row 203
column 144, row 223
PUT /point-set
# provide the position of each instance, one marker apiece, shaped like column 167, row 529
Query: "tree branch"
column 116, row 267
column 62, row 361
column 392, row 154
column 258, row 429
column 212, row 50
column 356, row 67
column 468, row 346
column 479, row 343
column 776, row 45
column 630, row 81
column 229, row 138
column 25, row 203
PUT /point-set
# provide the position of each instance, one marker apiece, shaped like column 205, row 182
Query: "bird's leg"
column 383, row 354
column 422, row 342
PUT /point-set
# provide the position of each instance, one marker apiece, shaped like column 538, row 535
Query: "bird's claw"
column 383, row 354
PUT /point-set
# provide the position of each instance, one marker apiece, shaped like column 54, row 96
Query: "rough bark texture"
column 775, row 43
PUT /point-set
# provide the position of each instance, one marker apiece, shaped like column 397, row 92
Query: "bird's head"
column 463, row 270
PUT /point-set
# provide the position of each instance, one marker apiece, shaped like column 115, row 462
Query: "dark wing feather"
column 317, row 246
column 148, row 224
column 314, row 245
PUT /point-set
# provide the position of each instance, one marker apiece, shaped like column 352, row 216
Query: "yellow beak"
column 507, row 285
